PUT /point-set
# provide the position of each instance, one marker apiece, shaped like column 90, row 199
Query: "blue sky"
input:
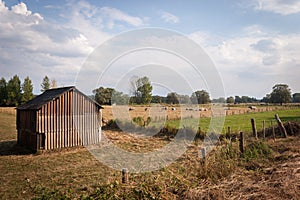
column 254, row 44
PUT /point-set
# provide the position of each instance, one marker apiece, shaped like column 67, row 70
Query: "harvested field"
column 171, row 112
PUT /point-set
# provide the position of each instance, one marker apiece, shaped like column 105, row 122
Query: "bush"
column 257, row 150
column 138, row 121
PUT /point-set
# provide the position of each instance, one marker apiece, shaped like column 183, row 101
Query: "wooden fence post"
column 281, row 127
column 242, row 142
column 291, row 128
column 124, row 175
column 264, row 130
column 229, row 131
column 254, row 128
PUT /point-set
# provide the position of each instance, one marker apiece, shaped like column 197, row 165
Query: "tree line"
column 141, row 93
column 15, row 93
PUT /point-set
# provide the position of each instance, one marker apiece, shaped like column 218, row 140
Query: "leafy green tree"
column 200, row 97
column 218, row 100
column 184, row 99
column 45, row 84
column 230, row 100
column 267, row 98
column 103, row 95
column 3, row 92
column 119, row 98
column 27, row 88
column 296, row 97
column 156, row 99
column 238, row 99
column 245, row 99
column 281, row 94
column 142, row 90
column 14, row 94
column 108, row 96
column 172, row 98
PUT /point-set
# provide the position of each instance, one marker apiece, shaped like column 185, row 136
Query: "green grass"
column 240, row 122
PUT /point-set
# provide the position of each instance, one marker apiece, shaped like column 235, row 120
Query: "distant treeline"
column 14, row 93
column 108, row 96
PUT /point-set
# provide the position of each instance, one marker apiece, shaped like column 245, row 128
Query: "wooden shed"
column 58, row 118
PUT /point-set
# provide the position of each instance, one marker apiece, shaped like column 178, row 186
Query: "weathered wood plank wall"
column 67, row 121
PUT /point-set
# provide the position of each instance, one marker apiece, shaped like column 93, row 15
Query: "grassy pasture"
column 242, row 122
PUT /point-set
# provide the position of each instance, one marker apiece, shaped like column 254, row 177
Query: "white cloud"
column 31, row 46
column 168, row 17
column 117, row 15
column 21, row 8
column 283, row 7
column 3, row 8
column 255, row 60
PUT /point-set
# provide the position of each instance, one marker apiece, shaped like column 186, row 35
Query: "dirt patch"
column 134, row 142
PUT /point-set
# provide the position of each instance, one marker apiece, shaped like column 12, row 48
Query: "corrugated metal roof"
column 49, row 95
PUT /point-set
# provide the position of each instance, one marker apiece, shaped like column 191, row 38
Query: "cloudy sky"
column 253, row 44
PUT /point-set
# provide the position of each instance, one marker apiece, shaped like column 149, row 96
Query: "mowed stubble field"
column 75, row 174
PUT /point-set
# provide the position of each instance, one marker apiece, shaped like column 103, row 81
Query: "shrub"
column 138, row 121
column 257, row 150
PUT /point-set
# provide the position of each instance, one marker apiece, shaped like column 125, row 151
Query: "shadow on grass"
column 12, row 148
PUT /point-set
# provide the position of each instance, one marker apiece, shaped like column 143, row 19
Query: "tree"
column 3, row 92
column 172, row 98
column 119, row 98
column 218, row 100
column 245, row 99
column 230, row 100
column 142, row 90
column 281, row 94
column 156, row 99
column 103, row 95
column 238, row 99
column 27, row 88
column 296, row 98
column 108, row 96
column 267, row 98
column 184, row 99
column 200, row 97
column 45, row 84
column 14, row 91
